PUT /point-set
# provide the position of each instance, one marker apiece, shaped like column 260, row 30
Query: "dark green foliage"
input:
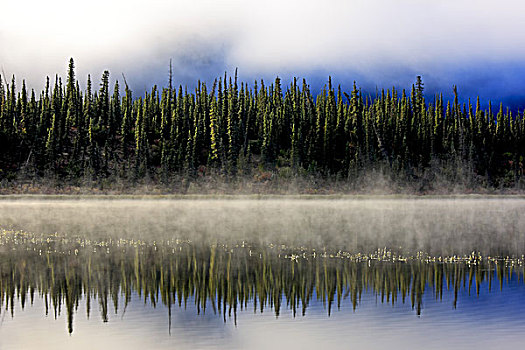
column 70, row 135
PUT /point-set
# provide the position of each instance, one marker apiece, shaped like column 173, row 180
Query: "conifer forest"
column 230, row 129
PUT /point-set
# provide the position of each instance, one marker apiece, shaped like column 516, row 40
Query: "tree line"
column 231, row 129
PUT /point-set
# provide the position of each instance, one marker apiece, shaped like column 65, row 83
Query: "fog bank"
column 435, row 226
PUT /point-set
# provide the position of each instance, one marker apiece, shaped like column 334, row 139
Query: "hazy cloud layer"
column 476, row 44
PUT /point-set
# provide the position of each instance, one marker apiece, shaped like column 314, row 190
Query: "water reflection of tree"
column 65, row 272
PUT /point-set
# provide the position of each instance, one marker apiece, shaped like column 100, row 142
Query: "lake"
column 238, row 273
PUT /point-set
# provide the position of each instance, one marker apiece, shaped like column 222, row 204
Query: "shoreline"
column 194, row 197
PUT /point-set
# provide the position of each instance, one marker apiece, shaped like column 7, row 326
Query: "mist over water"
column 458, row 226
column 215, row 273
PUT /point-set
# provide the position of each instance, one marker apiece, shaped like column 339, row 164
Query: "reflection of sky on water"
column 492, row 320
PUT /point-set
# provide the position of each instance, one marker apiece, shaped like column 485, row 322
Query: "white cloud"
column 365, row 36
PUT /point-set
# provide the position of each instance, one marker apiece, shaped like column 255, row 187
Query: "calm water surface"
column 260, row 274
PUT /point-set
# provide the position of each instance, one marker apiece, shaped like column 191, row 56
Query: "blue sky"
column 478, row 45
